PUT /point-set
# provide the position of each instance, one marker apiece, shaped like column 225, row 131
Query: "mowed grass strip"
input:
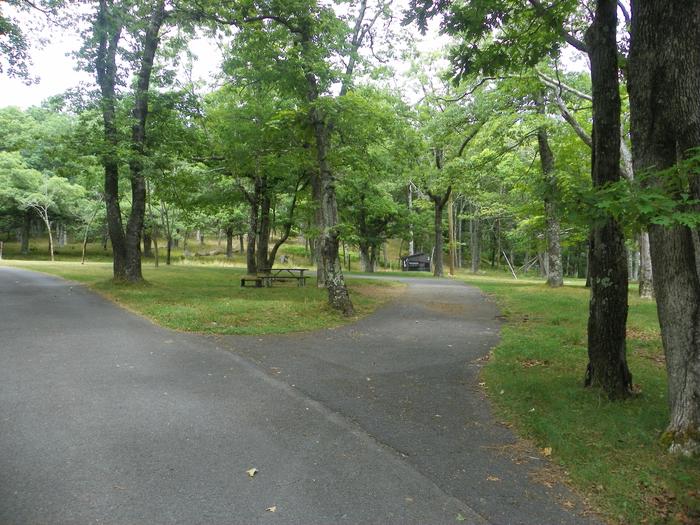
column 610, row 450
column 209, row 299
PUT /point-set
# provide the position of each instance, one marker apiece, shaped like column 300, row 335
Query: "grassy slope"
column 610, row 450
column 209, row 299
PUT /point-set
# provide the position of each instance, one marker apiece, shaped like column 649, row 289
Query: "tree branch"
column 559, row 85
column 568, row 37
column 585, row 137
column 468, row 139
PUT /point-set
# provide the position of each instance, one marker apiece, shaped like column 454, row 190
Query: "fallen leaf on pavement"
column 272, row 509
column 493, row 478
column 251, row 472
column 547, row 451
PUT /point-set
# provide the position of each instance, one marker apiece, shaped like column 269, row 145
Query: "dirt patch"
column 642, row 335
column 530, row 363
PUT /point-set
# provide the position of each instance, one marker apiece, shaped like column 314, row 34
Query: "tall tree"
column 555, row 274
column 110, row 22
column 607, row 363
column 664, row 86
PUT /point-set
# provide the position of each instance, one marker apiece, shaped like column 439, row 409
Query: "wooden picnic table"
column 282, row 274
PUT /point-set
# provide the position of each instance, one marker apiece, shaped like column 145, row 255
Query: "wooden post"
column 1, row 245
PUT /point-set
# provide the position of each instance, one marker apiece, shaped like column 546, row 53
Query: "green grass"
column 610, row 450
column 209, row 298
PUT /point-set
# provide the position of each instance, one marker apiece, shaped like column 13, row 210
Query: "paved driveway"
column 106, row 418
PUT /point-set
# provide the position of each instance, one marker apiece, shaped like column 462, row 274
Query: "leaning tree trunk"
column 607, row 365
column 555, row 274
column 664, row 88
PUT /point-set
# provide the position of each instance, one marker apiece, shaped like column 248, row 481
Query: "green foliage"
column 662, row 197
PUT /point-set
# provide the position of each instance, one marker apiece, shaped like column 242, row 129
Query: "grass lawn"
column 611, row 451
column 209, row 298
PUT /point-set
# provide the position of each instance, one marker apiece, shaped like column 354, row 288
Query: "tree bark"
column 664, row 88
column 607, row 366
column 646, row 281
column 555, row 275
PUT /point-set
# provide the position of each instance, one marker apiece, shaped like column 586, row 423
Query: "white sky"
column 54, row 67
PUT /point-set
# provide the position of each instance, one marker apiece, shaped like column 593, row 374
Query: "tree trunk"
column 263, row 240
column 664, row 88
column 147, row 243
column 48, row 228
column 318, row 218
column 451, row 233
column 24, row 241
column 109, row 33
column 475, row 244
column 607, row 366
column 156, row 255
column 240, row 244
column 439, row 202
column 338, row 296
column 646, row 282
column 365, row 264
column 229, row 242
column 555, row 276
column 251, row 266
column 134, row 225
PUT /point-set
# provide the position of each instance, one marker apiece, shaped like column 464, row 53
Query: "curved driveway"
column 106, row 418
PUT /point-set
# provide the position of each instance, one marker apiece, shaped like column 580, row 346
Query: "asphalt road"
column 106, row 418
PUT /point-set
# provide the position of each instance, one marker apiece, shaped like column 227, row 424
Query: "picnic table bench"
column 266, row 276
